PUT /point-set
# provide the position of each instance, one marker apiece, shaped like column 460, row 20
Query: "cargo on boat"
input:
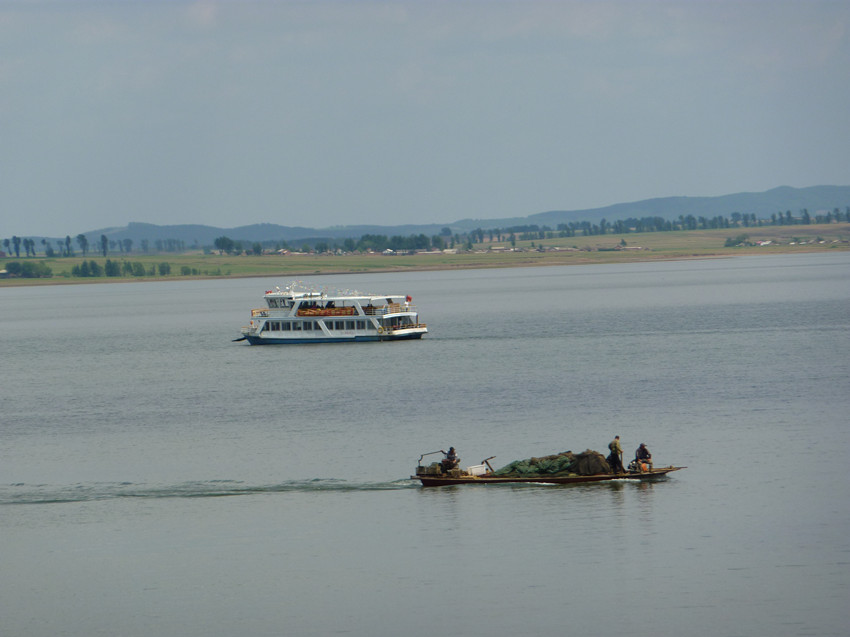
column 562, row 468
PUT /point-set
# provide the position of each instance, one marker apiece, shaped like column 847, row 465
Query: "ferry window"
column 296, row 327
column 329, row 325
column 361, row 325
column 340, row 325
column 349, row 325
column 308, row 325
column 287, row 326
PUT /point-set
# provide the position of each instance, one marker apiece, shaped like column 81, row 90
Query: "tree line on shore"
column 65, row 247
column 91, row 268
column 533, row 232
column 445, row 239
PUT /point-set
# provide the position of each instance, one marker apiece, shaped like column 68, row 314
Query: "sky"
column 323, row 113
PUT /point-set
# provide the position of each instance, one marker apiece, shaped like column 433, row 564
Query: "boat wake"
column 22, row 493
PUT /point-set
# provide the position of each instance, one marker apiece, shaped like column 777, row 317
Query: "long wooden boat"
column 446, row 480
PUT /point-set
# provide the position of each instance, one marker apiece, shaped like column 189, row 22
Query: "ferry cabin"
column 311, row 317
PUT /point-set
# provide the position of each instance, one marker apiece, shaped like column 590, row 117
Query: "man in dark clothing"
column 615, row 458
column 643, row 456
column 451, row 460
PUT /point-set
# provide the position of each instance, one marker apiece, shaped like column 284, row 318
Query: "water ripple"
column 58, row 494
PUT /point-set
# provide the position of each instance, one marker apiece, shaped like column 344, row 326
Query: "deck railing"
column 409, row 326
column 392, row 308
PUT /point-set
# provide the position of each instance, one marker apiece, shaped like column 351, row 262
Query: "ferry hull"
column 258, row 340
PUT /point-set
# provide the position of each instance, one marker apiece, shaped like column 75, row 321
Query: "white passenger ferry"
column 319, row 317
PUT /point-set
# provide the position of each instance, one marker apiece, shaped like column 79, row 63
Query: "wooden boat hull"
column 446, row 480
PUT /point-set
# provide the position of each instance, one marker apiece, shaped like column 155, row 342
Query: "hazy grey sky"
column 322, row 113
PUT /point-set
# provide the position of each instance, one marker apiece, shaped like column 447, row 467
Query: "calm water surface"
column 158, row 479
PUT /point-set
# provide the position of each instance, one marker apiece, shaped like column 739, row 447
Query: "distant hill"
column 763, row 204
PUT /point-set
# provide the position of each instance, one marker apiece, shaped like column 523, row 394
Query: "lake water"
column 157, row 478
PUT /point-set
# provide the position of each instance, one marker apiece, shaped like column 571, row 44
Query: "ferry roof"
column 287, row 294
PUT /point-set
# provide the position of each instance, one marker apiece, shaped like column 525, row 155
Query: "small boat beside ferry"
column 563, row 468
column 305, row 316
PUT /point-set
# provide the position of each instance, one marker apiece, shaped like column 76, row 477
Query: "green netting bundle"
column 587, row 463
column 544, row 465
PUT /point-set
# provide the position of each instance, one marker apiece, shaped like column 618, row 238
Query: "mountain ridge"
column 762, row 204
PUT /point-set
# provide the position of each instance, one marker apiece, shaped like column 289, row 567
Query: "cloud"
column 437, row 109
column 202, row 14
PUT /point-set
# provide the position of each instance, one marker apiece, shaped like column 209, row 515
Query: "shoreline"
column 505, row 261
column 573, row 251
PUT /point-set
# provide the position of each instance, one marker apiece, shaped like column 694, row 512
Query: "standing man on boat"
column 615, row 459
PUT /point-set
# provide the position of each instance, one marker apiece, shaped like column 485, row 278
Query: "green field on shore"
column 609, row 248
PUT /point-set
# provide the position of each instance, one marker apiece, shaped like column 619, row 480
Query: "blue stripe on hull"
column 253, row 340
